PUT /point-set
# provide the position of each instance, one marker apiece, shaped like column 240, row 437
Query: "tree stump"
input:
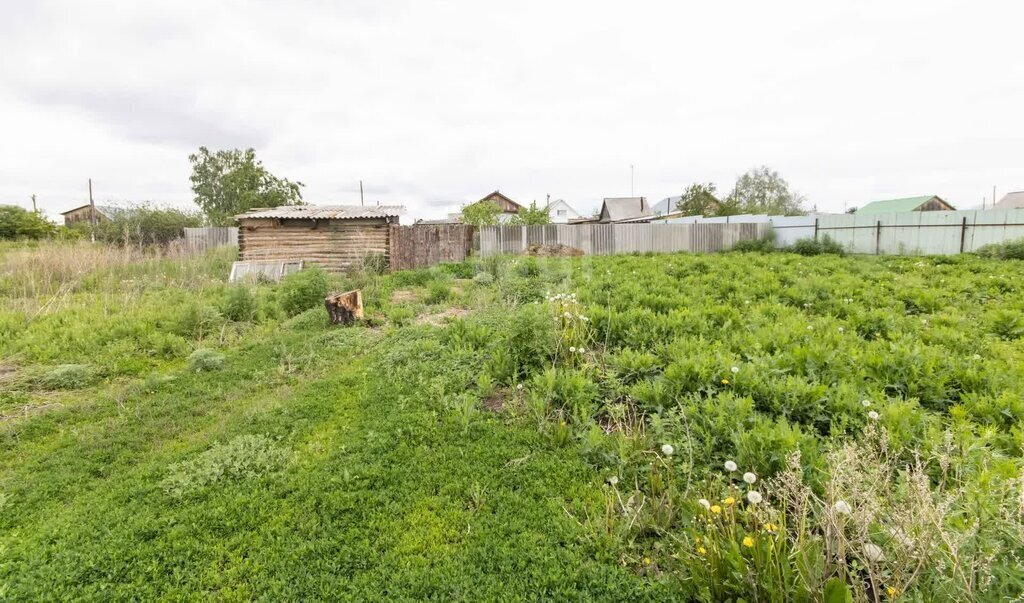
column 344, row 308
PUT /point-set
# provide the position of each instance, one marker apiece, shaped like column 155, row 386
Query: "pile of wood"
column 344, row 308
column 553, row 251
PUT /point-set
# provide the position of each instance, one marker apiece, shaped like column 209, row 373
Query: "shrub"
column 762, row 245
column 302, row 290
column 483, row 279
column 823, row 245
column 240, row 304
column 197, row 320
column 145, row 225
column 244, row 457
column 1009, row 250
column 205, row 359
column 1007, row 324
column 374, row 263
column 68, row 376
column 18, row 223
column 438, row 292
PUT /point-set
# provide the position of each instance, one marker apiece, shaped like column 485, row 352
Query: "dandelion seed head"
column 730, row 466
column 873, row 415
column 749, row 477
column 705, row 503
column 842, row 507
column 667, row 449
column 754, row 497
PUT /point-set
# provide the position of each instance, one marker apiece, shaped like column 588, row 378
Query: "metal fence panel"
column 197, row 239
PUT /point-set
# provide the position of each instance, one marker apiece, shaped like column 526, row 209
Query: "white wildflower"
column 519, row 386
column 810, row 327
column 572, row 349
column 977, row 356
column 614, row 479
column 841, row 329
column 873, row 415
column 865, row 403
column 749, row 477
column 705, row 503
column 667, row 449
column 873, row 552
column 582, row 350
column 754, row 497
column 842, row 507
column 730, row 466
column 735, row 370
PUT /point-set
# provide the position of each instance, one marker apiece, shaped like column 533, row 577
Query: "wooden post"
column 963, row 234
column 816, row 229
column 878, row 237
column 92, row 215
column 344, row 308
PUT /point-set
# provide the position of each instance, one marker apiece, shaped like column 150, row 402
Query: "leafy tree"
column 699, row 200
column 146, row 225
column 19, row 223
column 227, row 183
column 481, row 213
column 532, row 215
column 763, row 191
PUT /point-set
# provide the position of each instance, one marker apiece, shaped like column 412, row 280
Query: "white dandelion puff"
column 614, row 479
column 749, row 477
column 842, row 507
column 735, row 370
column 873, row 415
column 730, row 466
column 873, row 552
column 667, row 449
column 705, row 503
column 865, row 403
column 754, row 497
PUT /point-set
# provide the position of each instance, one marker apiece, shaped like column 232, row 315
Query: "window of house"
column 562, row 212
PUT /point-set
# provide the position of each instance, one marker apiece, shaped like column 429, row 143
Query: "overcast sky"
column 435, row 104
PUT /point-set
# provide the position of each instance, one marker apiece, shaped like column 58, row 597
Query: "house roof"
column 1014, row 200
column 623, row 208
column 666, row 205
column 560, row 203
column 498, row 194
column 107, row 211
column 324, row 212
column 896, row 205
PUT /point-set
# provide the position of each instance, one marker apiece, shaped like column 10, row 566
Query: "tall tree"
column 763, row 191
column 529, row 216
column 699, row 200
column 481, row 213
column 227, row 183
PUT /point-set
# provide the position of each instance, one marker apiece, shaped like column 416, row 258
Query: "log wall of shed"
column 335, row 245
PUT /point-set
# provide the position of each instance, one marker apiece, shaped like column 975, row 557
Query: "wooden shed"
column 336, row 237
column 87, row 213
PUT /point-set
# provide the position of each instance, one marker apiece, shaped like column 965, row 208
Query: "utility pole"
column 34, row 209
column 993, row 196
column 92, row 214
column 361, row 193
column 632, row 192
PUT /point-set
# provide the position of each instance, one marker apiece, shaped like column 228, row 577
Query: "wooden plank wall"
column 424, row 245
column 336, row 245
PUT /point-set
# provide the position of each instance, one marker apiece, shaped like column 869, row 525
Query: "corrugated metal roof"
column 623, row 208
column 895, row 205
column 325, row 212
column 107, row 211
column 1014, row 200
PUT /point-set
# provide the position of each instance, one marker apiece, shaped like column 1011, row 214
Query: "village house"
column 1014, row 200
column 508, row 207
column 925, row 203
column 336, row 237
column 87, row 212
column 619, row 209
column 561, row 212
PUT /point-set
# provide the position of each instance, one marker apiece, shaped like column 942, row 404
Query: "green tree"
column 763, row 191
column 19, row 223
column 699, row 200
column 530, row 216
column 227, row 183
column 481, row 213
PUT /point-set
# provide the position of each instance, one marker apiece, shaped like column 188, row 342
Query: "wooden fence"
column 607, row 239
column 197, row 239
column 428, row 244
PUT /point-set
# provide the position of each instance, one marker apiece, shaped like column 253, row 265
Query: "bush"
column 18, row 223
column 823, row 245
column 198, row 320
column 68, row 376
column 438, row 292
column 302, row 290
column 762, row 245
column 205, row 359
column 483, row 279
column 375, row 263
column 240, row 305
column 145, row 225
column 1010, row 250
column 244, row 457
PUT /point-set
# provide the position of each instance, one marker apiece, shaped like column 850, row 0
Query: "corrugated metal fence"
column 607, row 239
column 903, row 233
column 197, row 239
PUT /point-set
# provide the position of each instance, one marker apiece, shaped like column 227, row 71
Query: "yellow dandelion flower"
column 725, row 381
column 702, row 551
column 716, row 509
column 730, row 501
column 891, row 592
column 647, row 560
column 770, row 527
column 748, row 542
column 698, row 540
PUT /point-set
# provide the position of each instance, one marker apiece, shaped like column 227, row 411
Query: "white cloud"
column 434, row 104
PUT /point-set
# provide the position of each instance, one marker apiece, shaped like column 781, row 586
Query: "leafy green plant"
column 244, row 457
column 205, row 359
column 239, row 304
column 302, row 290
column 69, row 376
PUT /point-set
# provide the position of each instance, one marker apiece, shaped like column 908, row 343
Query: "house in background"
column 561, row 212
column 1014, row 200
column 85, row 213
column 618, row 209
column 666, row 206
column 925, row 203
column 507, row 206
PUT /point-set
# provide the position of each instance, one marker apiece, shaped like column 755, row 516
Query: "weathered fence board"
column 424, row 245
column 607, row 239
column 197, row 239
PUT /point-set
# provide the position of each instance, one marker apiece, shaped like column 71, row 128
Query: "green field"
column 513, row 429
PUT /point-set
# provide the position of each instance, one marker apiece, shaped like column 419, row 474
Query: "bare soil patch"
column 439, row 319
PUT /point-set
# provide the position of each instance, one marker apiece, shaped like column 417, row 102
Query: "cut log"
column 344, row 308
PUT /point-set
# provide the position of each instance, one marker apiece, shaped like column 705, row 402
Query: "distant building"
column 507, row 206
column 85, row 213
column 617, row 209
column 666, row 205
column 1014, row 200
column 925, row 203
column 561, row 212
